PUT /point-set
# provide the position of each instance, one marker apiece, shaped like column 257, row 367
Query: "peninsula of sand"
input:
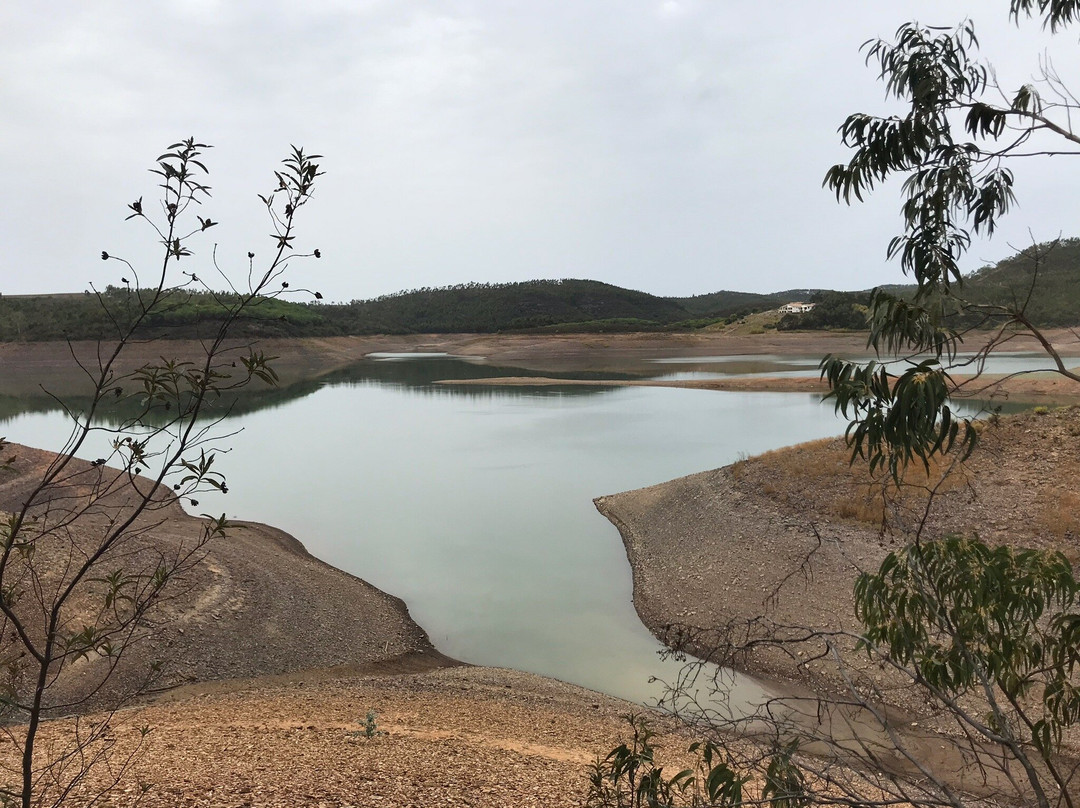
column 275, row 658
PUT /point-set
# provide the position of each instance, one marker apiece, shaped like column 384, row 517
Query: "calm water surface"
column 713, row 367
column 474, row 504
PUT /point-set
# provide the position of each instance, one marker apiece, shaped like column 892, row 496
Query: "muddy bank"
column 257, row 604
column 29, row 368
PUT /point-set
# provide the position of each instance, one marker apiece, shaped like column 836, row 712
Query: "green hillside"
column 543, row 305
column 481, row 308
column 1043, row 278
column 182, row 314
column 1047, row 276
column 726, row 304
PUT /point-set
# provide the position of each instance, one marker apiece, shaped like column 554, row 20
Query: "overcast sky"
column 673, row 146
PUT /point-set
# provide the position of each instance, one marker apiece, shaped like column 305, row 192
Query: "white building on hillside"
column 796, row 308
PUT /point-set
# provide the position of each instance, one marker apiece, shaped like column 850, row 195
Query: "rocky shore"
column 777, row 540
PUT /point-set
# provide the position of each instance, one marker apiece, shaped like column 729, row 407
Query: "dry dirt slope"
column 461, row 736
column 726, row 546
column 258, row 603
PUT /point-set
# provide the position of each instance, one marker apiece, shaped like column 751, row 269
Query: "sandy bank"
column 769, row 548
column 707, row 554
column 258, row 604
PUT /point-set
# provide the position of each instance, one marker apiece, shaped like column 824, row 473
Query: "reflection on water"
column 711, row 367
column 384, row 370
column 416, row 372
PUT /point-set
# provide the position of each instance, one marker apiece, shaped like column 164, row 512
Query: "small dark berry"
column 104, row 256
column 318, row 254
column 251, row 255
column 284, row 284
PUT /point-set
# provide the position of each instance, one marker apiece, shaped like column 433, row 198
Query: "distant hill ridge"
column 569, row 305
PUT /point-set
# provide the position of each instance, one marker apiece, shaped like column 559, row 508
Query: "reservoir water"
column 474, row 504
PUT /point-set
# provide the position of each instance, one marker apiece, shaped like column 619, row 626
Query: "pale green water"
column 474, row 504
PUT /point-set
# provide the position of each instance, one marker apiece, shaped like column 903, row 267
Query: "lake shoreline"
column 771, row 546
column 32, row 369
column 258, row 605
column 270, row 649
column 1045, row 388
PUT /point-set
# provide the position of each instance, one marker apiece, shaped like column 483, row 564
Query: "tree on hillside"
column 832, row 310
column 84, row 577
column 988, row 638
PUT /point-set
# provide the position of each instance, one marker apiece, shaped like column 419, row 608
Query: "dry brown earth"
column 257, row 604
column 726, row 546
column 462, row 736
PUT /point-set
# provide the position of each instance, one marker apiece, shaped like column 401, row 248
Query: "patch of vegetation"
column 726, row 304
column 181, row 313
column 630, row 776
column 1041, row 278
column 484, row 308
column 832, row 311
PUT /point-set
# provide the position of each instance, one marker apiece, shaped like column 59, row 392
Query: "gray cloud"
column 675, row 146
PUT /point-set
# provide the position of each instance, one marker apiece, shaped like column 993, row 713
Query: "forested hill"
column 725, row 303
column 1048, row 273
column 475, row 307
column 550, row 305
column 543, row 305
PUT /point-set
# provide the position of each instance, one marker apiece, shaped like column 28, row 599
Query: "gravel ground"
column 455, row 737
